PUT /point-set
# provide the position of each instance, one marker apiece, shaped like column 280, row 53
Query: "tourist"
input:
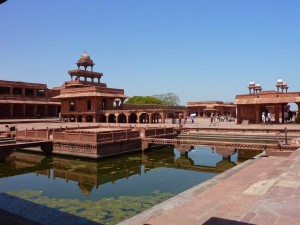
column 192, row 118
column 185, row 118
column 286, row 116
column 217, row 119
column 179, row 118
column 263, row 118
column 211, row 119
column 269, row 118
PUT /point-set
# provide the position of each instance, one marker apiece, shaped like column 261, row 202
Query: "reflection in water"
column 91, row 173
column 115, row 188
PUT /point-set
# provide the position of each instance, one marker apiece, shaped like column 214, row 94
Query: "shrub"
column 297, row 119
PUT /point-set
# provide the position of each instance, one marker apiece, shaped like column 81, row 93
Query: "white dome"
column 257, row 85
column 251, row 82
column 279, row 80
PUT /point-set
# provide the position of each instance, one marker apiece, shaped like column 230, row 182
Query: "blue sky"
column 201, row 50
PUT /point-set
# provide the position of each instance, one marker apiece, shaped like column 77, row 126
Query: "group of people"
column 214, row 119
column 266, row 118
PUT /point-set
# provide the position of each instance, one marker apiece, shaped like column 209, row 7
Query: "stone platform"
column 265, row 190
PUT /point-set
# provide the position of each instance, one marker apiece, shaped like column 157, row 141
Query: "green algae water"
column 59, row 190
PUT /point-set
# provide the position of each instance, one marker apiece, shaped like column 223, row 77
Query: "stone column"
column 163, row 118
column 11, row 90
column 276, row 113
column 282, row 112
column 239, row 117
column 127, row 117
column 23, row 92
column 298, row 104
column 150, row 118
column 257, row 114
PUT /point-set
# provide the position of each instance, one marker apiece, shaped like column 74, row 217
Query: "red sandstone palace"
column 251, row 106
column 85, row 100
column 27, row 100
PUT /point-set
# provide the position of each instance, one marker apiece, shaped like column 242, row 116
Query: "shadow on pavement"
column 17, row 211
column 220, row 221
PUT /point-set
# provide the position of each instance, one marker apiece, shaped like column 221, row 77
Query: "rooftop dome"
column 85, row 61
column 85, row 56
column 251, row 82
column 279, row 80
column 258, row 85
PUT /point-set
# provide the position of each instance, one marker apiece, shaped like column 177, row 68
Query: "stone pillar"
column 257, row 114
column 282, row 112
column 276, row 113
column 298, row 104
column 150, row 118
column 163, row 118
column 94, row 119
column 117, row 118
column 11, row 90
column 239, row 117
column 127, row 117
column 106, row 115
column 23, row 92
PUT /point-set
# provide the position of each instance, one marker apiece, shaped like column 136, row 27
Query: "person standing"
column 211, row 119
column 263, row 118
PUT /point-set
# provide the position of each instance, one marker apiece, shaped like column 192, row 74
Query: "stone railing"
column 157, row 132
column 33, row 135
column 75, row 137
column 117, row 135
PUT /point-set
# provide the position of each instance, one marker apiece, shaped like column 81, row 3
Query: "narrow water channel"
column 60, row 190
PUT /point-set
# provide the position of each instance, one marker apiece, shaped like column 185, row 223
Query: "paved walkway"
column 265, row 190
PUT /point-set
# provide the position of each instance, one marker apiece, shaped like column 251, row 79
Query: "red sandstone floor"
column 265, row 191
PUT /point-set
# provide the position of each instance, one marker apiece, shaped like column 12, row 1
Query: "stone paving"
column 265, row 190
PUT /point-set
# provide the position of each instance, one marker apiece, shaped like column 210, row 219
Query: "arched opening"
column 144, row 118
column 17, row 110
column 156, row 118
column 122, row 118
column 89, row 119
column 133, row 118
column 102, row 118
column 79, row 119
column 72, row 118
column 29, row 111
column 111, row 118
column 5, row 110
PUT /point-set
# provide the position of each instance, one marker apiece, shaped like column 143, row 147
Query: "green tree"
column 168, row 99
column 144, row 100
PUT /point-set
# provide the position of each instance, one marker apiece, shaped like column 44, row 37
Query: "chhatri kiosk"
column 86, row 99
column 251, row 106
